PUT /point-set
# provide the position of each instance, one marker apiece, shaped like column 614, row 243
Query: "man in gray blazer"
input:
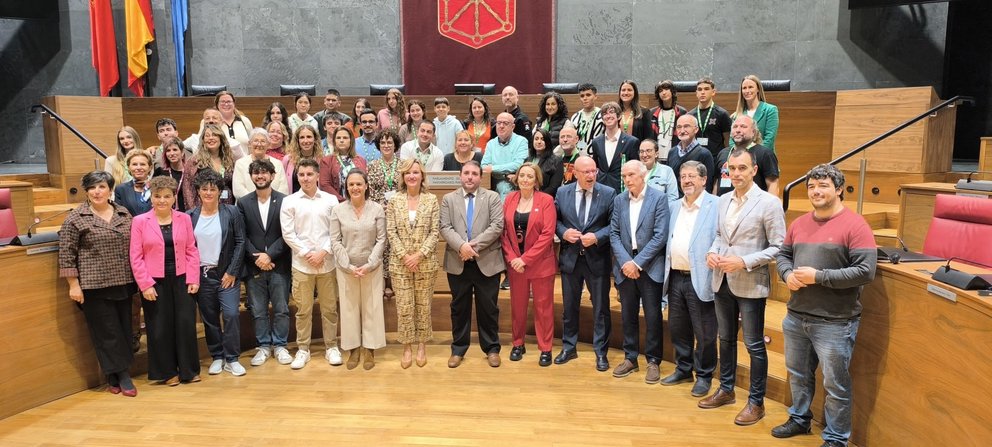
column 688, row 288
column 638, row 233
column 750, row 231
column 471, row 225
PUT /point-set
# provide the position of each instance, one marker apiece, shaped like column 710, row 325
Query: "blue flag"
column 180, row 22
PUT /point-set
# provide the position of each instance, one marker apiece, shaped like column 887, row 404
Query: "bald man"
column 688, row 148
column 504, row 154
column 521, row 122
column 744, row 134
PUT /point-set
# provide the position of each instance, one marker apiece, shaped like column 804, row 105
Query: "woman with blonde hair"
column 305, row 144
column 116, row 165
column 412, row 224
column 214, row 153
column 751, row 102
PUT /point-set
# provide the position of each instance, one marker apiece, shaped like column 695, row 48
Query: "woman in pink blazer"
column 528, row 234
column 166, row 266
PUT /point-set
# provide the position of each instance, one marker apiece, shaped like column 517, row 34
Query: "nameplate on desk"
column 942, row 292
column 446, row 180
column 40, row 250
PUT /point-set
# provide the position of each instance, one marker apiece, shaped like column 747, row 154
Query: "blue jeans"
column 215, row 302
column 810, row 341
column 263, row 289
column 752, row 313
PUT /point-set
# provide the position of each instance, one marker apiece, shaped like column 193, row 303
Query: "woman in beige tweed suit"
column 412, row 219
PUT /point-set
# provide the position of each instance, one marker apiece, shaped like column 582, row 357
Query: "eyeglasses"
column 684, row 126
column 689, row 177
column 226, row 101
column 504, row 123
column 368, row 121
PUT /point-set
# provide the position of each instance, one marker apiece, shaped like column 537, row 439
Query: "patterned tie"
column 582, row 208
column 469, row 214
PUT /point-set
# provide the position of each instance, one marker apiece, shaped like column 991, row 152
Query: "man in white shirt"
column 305, row 220
column 423, row 149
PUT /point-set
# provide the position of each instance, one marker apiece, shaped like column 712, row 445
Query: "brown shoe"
column 454, row 361
column 493, row 358
column 172, row 381
column 718, row 399
column 750, row 415
column 625, row 369
column 369, row 359
column 653, row 375
column 354, row 358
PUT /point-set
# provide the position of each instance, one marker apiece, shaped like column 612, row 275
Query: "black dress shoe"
column 675, row 378
column 545, row 359
column 789, row 429
column 517, row 353
column 702, row 387
column 505, row 285
column 602, row 364
column 565, row 355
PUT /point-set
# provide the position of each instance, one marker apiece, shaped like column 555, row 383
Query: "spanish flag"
column 140, row 32
column 103, row 45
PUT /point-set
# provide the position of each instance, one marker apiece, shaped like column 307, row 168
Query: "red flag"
column 140, row 31
column 103, row 45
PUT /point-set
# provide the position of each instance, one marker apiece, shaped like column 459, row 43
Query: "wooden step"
column 876, row 214
column 46, row 195
column 886, row 237
column 56, row 213
column 36, row 179
column 778, row 376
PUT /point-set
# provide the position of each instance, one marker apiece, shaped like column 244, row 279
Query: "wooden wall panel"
column 97, row 118
column 985, row 159
column 939, row 138
column 888, row 184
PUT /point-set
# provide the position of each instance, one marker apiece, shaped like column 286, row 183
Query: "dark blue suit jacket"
column 651, row 234
column 266, row 240
column 232, row 246
column 124, row 195
column 628, row 148
column 598, row 256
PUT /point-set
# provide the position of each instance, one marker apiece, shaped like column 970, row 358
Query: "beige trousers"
column 326, row 287
column 362, row 320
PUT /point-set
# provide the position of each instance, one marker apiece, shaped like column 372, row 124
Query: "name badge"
column 390, row 194
column 725, row 183
column 225, row 194
column 703, row 141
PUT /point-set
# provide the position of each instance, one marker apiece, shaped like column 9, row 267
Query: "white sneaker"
column 334, row 356
column 302, row 357
column 216, row 367
column 261, row 356
column 234, row 368
column 282, row 356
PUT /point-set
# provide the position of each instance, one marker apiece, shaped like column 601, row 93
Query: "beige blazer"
column 487, row 226
column 757, row 238
column 422, row 236
column 358, row 242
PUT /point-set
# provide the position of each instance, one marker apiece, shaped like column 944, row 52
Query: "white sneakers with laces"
column 301, row 359
column 261, row 356
column 334, row 356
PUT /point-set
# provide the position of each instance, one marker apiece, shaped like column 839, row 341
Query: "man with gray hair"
column 638, row 233
column 745, row 135
column 828, row 256
column 688, row 148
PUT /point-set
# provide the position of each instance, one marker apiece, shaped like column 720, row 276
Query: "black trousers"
column 171, row 324
column 109, row 321
column 688, row 319
column 634, row 294
column 598, row 284
column 471, row 285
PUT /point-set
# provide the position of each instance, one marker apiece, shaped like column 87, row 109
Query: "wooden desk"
column 916, row 209
column 921, row 365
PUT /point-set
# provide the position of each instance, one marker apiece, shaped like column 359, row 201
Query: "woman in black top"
column 542, row 154
column 551, row 117
column 171, row 164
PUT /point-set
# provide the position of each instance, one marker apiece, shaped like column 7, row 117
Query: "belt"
column 204, row 269
column 682, row 272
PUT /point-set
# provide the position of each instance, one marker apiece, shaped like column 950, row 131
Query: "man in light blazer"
column 638, row 234
column 688, row 288
column 584, row 209
column 473, row 261
column 750, row 232
column 267, row 258
column 614, row 148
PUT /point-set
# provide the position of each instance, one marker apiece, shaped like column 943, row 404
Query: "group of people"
column 649, row 197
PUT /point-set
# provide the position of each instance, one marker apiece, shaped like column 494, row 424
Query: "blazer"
column 651, row 234
column 147, row 249
column 124, row 196
column 422, row 236
column 628, row 148
column 600, row 210
column 539, row 251
column 756, row 238
column 487, row 227
column 268, row 239
column 232, row 246
column 700, row 241
column 329, row 179
column 358, row 241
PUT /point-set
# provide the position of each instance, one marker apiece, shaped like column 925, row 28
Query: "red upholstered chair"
column 8, row 226
column 961, row 228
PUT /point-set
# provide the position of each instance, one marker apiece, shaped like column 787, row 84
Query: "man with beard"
column 521, row 122
column 365, row 145
column 744, row 135
column 688, row 148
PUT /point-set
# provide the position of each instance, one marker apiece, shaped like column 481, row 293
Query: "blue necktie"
column 583, row 214
column 469, row 213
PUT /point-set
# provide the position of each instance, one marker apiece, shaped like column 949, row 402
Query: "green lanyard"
column 391, row 173
column 702, row 124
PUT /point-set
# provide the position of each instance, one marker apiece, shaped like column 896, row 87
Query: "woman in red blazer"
column 334, row 168
column 166, row 266
column 528, row 234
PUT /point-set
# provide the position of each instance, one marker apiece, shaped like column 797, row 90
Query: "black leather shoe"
column 505, row 285
column 832, row 444
column 702, row 387
column 565, row 355
column 789, row 429
column 675, row 378
column 545, row 359
column 602, row 364
column 517, row 353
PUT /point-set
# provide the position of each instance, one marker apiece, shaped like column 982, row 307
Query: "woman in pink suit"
column 166, row 266
column 528, row 233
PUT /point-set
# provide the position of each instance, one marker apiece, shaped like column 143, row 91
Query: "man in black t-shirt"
column 521, row 122
column 744, row 134
column 714, row 121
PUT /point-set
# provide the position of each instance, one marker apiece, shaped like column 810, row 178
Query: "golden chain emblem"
column 483, row 31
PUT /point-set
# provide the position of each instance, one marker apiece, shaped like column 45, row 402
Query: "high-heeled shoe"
column 407, row 359
column 421, row 355
column 369, row 359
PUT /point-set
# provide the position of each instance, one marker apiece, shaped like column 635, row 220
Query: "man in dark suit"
column 638, row 234
column 584, row 257
column 612, row 149
column 473, row 261
column 689, row 148
column 268, row 263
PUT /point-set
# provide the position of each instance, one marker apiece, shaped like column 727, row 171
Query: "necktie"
column 582, row 208
column 469, row 214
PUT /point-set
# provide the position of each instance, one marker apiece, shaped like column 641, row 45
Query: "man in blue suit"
column 687, row 287
column 612, row 149
column 584, row 210
column 638, row 233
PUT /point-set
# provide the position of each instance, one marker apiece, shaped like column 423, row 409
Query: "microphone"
column 901, row 244
column 895, row 258
column 34, row 239
column 977, row 185
column 959, row 279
